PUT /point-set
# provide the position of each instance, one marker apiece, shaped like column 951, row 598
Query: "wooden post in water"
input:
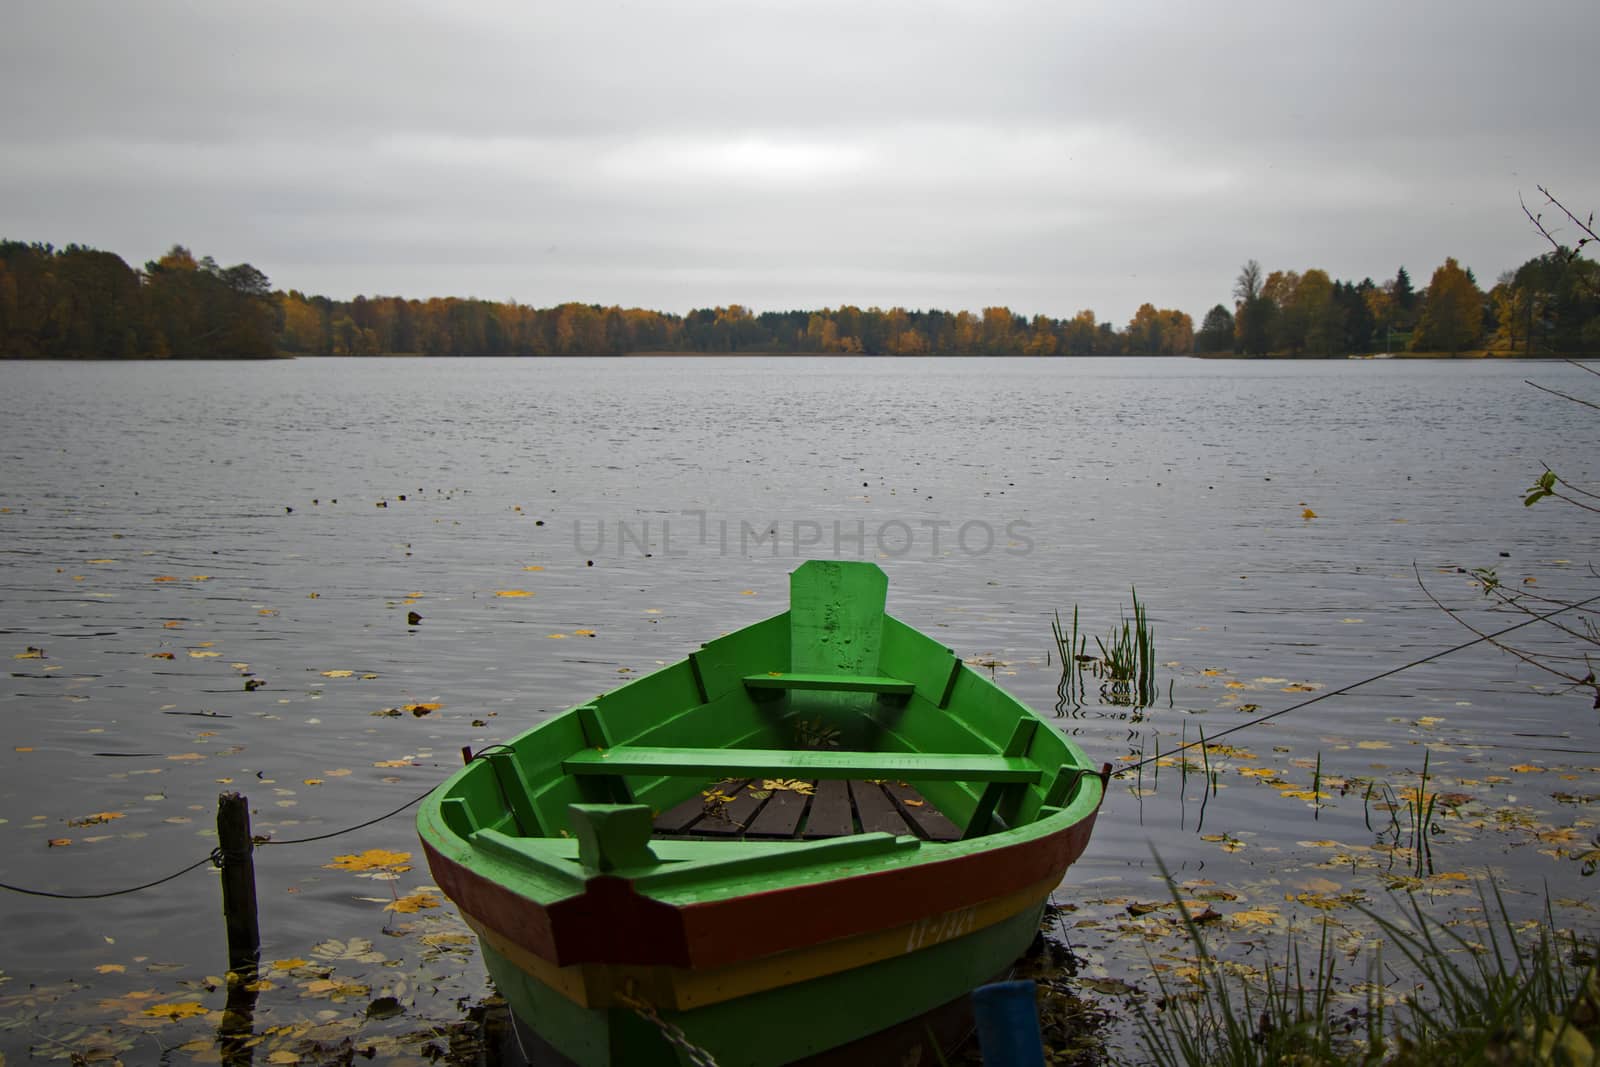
column 238, row 884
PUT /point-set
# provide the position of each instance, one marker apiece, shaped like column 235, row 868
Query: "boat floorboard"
column 809, row 810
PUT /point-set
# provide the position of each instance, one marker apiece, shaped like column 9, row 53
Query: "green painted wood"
column 836, row 617
column 611, row 836
column 595, row 733
column 722, row 664
column 1066, row 785
column 842, row 683
column 514, row 787
column 691, row 860
column 996, row 791
column 811, row 763
column 919, row 659
column 457, row 816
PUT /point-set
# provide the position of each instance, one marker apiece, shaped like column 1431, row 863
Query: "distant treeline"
column 1549, row 305
column 79, row 303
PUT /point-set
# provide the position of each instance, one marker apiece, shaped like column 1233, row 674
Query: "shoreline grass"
column 1507, row 993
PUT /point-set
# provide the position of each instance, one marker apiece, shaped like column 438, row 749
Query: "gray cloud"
column 1045, row 156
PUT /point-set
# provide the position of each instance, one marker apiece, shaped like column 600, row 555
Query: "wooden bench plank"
column 808, row 763
column 731, row 818
column 830, row 814
column 875, row 809
column 678, row 819
column 928, row 821
column 831, row 683
column 781, row 817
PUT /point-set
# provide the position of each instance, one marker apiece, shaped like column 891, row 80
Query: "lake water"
column 171, row 535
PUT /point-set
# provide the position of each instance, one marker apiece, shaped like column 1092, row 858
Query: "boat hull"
column 775, row 1026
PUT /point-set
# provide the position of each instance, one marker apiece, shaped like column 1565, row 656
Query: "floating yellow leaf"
column 583, row 633
column 162, row 655
column 266, row 611
column 1526, row 768
column 59, row 842
column 1210, row 672
column 110, row 968
column 556, row 637
column 337, row 772
column 747, row 592
column 31, row 653
column 414, row 902
column 186, row 1010
column 374, row 859
column 173, row 624
column 394, row 763
column 533, row 567
column 420, row 710
column 1308, row 514
column 183, row 756
column 1301, row 687
column 200, row 578
column 165, row 578
column 446, row 940
column 284, row 1058
column 99, row 561
column 313, row 781
column 289, row 965
column 338, row 674
column 203, row 653
column 95, row 819
column 1373, row 744
column 512, row 592
column 1253, row 917
column 335, row 989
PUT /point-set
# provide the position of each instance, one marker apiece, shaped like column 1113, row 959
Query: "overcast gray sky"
column 1045, row 156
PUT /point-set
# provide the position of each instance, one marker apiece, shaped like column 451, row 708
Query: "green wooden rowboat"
column 805, row 832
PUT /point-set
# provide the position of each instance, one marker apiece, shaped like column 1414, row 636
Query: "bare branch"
column 1525, row 657
column 1563, row 396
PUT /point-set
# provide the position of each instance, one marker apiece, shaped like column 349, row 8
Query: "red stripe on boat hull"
column 610, row 922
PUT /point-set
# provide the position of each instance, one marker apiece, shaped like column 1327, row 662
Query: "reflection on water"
column 218, row 563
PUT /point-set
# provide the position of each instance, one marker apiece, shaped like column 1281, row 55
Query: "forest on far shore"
column 81, row 303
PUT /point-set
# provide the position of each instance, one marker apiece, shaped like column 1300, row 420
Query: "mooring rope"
column 1258, row 720
column 216, row 857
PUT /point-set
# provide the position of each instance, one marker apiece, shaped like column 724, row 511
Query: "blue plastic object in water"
column 1008, row 1024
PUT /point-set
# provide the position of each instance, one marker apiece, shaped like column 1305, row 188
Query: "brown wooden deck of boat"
column 748, row 809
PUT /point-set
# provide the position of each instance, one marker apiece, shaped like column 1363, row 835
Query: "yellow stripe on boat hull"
column 597, row 985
